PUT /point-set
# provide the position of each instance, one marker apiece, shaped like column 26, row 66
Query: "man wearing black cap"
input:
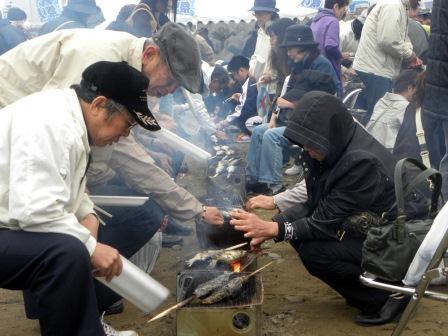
column 168, row 60
column 346, row 172
column 11, row 34
column 49, row 240
column 76, row 14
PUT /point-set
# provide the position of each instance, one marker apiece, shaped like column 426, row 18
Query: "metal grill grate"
column 251, row 294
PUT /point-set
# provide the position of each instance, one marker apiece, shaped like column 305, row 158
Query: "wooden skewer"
column 173, row 308
column 235, row 247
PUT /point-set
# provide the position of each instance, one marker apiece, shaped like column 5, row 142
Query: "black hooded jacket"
column 355, row 176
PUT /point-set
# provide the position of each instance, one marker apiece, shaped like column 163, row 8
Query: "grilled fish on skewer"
column 216, row 255
column 207, row 287
column 232, row 288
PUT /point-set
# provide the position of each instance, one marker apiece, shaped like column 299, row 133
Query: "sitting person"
column 268, row 149
column 50, row 237
column 389, row 111
column 347, row 172
column 247, row 107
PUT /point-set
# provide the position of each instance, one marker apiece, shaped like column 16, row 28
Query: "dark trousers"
column 56, row 270
column 338, row 264
column 375, row 88
column 128, row 230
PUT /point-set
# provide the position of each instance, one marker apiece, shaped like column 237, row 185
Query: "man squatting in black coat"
column 346, row 172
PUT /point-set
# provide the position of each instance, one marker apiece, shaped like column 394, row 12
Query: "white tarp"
column 226, row 10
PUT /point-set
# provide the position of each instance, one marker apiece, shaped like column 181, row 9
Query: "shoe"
column 171, row 240
column 109, row 331
column 294, row 170
column 390, row 311
column 116, row 308
column 257, row 188
column 175, row 228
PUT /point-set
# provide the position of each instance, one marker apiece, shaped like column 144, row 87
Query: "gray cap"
column 182, row 54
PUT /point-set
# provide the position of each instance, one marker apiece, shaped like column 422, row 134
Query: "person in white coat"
column 48, row 229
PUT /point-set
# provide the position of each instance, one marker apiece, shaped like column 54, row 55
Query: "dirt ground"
column 295, row 303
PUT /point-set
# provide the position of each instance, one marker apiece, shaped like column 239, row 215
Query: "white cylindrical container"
column 137, row 287
column 178, row 143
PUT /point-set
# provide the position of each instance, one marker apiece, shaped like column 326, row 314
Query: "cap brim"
column 297, row 44
column 144, row 117
column 263, row 9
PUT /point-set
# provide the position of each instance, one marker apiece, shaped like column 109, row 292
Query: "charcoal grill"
column 236, row 316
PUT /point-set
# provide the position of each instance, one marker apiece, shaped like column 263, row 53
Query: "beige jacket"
column 57, row 60
column 384, row 42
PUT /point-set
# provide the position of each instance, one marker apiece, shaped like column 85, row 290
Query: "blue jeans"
column 268, row 150
column 375, row 88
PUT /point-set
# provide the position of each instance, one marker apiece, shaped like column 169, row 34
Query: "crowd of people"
column 71, row 97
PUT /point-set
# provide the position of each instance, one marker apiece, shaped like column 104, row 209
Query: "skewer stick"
column 173, row 308
column 246, row 277
column 235, row 247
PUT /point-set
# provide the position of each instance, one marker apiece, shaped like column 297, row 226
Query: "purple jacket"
column 325, row 27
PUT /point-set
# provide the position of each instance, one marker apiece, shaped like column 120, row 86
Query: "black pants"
column 338, row 264
column 56, row 270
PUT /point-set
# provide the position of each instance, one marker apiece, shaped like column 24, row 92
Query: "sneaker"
column 109, row 331
column 294, row 170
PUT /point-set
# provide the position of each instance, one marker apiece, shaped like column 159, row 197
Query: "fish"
column 231, row 288
column 230, row 171
column 220, row 169
column 216, row 255
column 209, row 286
column 216, row 148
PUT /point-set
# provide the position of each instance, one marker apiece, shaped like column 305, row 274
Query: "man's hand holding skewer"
column 256, row 228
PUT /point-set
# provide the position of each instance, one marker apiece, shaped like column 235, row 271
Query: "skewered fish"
column 232, row 288
column 216, row 255
column 209, row 286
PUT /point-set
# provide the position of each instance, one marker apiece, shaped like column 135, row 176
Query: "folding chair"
column 424, row 268
column 350, row 99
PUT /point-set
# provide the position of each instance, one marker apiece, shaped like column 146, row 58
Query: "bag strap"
column 424, row 153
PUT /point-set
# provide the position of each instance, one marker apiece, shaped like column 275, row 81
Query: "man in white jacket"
column 383, row 46
column 48, row 229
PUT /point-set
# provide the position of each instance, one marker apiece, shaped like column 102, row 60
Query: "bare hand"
column 415, row 63
column 91, row 223
column 283, row 103
column 264, row 79
column 260, row 202
column 236, row 96
column 106, row 262
column 255, row 243
column 213, row 216
column 221, row 135
column 254, row 226
column 273, row 121
column 345, row 55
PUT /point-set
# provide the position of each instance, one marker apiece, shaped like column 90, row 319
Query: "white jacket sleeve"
column 197, row 107
column 392, row 32
column 41, row 182
column 291, row 197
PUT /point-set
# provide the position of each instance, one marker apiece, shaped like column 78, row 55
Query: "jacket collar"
column 135, row 53
column 80, row 128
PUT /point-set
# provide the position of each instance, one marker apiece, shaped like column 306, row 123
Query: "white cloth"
column 198, row 117
column 260, row 57
column 387, row 118
column 427, row 249
column 43, row 158
column 239, row 107
column 291, row 197
column 384, row 40
column 347, row 41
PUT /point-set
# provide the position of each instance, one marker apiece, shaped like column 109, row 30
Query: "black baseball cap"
column 181, row 51
column 123, row 84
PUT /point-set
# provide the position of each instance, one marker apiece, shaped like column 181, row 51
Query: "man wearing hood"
column 347, row 172
column 325, row 27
